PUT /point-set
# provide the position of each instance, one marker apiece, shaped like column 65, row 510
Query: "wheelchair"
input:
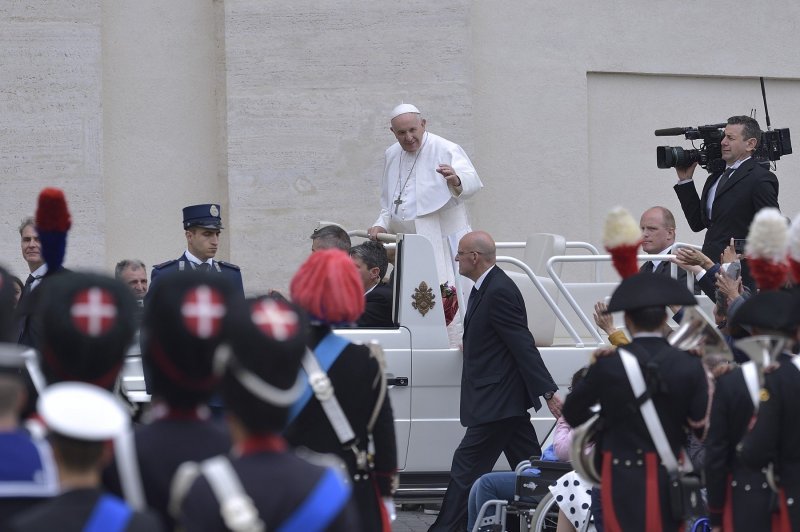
column 533, row 504
column 536, row 507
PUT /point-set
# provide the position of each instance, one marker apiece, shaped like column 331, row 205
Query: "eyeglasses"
column 462, row 253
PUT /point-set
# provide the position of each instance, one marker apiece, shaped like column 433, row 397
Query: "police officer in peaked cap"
column 202, row 225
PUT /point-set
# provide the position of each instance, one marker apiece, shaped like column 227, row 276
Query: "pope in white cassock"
column 426, row 179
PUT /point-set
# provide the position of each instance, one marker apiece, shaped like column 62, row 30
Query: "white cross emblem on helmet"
column 93, row 311
column 275, row 319
column 202, row 310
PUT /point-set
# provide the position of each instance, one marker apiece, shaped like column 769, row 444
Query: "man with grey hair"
column 329, row 236
column 133, row 273
column 32, row 253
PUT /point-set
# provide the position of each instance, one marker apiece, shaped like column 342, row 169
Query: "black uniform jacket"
column 355, row 376
column 231, row 271
column 161, row 447
column 775, row 437
column 731, row 412
column 679, row 392
column 278, row 484
column 632, row 479
column 70, row 511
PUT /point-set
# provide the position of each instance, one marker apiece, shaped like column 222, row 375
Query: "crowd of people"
column 263, row 418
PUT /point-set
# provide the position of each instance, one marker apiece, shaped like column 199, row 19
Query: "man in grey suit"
column 502, row 377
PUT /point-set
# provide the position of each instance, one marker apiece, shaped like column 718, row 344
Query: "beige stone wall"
column 51, row 129
column 278, row 111
column 568, row 95
column 163, row 142
column 309, row 86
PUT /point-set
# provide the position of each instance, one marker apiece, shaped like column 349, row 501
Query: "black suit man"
column 730, row 199
column 372, row 262
column 658, row 236
column 502, row 377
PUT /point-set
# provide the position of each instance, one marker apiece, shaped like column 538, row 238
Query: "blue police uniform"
column 204, row 216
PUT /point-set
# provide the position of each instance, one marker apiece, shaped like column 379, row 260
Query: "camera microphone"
column 671, row 131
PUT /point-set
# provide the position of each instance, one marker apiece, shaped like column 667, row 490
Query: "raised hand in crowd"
column 729, row 254
column 692, row 257
column 730, row 288
column 603, row 320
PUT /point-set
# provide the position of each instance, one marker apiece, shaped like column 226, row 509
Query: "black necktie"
column 724, row 178
column 647, row 267
column 28, row 285
column 473, row 296
column 205, row 267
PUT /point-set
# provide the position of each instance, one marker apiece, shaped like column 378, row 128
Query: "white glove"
column 388, row 503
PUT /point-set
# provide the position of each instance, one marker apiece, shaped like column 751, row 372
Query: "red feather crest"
column 51, row 212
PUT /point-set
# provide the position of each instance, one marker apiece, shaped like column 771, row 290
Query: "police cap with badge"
column 203, row 216
column 183, row 323
column 206, row 215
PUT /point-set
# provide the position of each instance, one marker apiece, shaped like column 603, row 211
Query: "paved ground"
column 413, row 519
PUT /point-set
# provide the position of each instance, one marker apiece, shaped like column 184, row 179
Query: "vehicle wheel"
column 546, row 515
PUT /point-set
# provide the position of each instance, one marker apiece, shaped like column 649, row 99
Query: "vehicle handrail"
column 548, row 299
column 386, row 238
column 600, row 258
column 570, row 244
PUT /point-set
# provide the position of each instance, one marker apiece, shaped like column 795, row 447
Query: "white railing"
column 604, row 258
column 548, row 299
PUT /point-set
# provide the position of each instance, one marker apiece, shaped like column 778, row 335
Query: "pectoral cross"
column 397, row 203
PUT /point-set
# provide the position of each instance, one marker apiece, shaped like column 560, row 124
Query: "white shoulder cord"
column 648, row 409
column 751, row 381
column 323, row 390
column 236, row 507
column 796, row 361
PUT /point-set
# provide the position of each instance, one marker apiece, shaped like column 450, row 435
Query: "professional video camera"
column 709, row 155
column 773, row 144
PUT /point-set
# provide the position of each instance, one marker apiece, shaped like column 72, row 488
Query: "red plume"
column 51, row 212
column 329, row 287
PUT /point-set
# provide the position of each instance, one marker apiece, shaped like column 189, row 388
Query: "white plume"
column 620, row 229
column 768, row 236
column 794, row 239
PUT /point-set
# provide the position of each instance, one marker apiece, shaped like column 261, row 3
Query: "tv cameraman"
column 731, row 198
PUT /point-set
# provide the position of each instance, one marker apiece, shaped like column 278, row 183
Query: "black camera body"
column 772, row 145
column 709, row 155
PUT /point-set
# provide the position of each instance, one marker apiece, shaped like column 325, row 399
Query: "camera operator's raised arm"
column 685, row 174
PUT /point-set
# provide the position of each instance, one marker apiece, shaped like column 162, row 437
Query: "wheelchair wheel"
column 546, row 515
